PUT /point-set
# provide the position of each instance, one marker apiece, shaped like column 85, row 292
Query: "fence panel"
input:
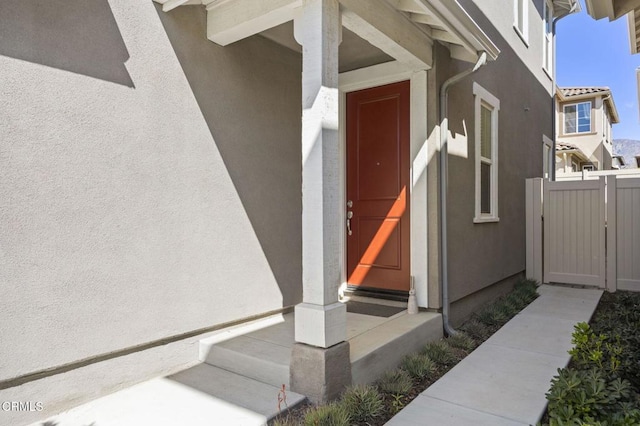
column 628, row 234
column 574, row 232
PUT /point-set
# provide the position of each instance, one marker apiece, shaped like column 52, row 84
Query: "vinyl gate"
column 584, row 232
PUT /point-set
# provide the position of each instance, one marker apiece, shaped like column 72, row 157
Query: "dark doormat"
column 373, row 309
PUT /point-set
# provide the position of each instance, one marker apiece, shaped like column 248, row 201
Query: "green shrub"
column 440, row 352
column 620, row 318
column 587, row 396
column 364, row 403
column 418, row 366
column 284, row 421
column 508, row 308
column 333, row 414
column 492, row 316
column 461, row 340
column 477, row 330
column 591, row 350
column 396, row 382
column 527, row 290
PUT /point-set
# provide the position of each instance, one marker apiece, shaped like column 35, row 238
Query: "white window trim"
column 482, row 96
column 546, row 141
column 523, row 32
column 547, row 39
column 564, row 118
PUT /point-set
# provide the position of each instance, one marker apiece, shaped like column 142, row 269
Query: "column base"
column 321, row 325
column 318, row 373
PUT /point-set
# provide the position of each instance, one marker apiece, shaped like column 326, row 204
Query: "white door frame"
column 378, row 75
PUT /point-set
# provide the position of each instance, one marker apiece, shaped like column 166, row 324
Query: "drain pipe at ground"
column 444, row 136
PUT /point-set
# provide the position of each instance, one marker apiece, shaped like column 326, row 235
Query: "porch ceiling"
column 376, row 21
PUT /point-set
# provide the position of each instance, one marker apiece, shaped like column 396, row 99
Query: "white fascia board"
column 599, row 9
column 633, row 32
column 459, row 23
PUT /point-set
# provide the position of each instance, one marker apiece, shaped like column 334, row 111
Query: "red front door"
column 378, row 126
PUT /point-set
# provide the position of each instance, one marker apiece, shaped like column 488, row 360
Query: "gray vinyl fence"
column 585, row 231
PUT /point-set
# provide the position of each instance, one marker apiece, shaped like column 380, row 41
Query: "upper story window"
column 486, row 147
column 547, row 42
column 521, row 19
column 577, row 118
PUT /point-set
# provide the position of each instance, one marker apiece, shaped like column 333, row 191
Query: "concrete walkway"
column 504, row 381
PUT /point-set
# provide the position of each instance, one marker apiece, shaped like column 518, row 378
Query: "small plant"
column 282, row 398
column 508, row 308
column 333, row 414
column 477, row 330
column 418, row 366
column 594, row 350
column 364, row 403
column 397, row 403
column 461, row 340
column 396, row 382
column 286, row 421
column 492, row 316
column 586, row 396
column 440, row 352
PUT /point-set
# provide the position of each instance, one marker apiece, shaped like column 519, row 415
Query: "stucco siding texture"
column 128, row 206
column 483, row 254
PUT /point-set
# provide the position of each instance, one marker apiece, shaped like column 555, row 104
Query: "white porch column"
column 320, row 320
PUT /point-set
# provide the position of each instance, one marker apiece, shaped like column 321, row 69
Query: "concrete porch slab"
column 377, row 344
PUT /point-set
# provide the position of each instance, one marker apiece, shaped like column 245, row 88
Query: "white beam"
column 230, row 21
column 446, row 36
column 407, row 6
column 172, row 4
column 389, row 30
column 423, row 18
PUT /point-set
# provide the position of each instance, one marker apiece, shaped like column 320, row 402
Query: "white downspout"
column 444, row 136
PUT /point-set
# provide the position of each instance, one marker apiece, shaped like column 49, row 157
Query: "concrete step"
column 263, row 355
column 199, row 396
column 383, row 347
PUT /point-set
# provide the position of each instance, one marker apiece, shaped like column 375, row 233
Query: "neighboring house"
column 569, row 158
column 584, row 119
column 618, row 162
column 169, row 173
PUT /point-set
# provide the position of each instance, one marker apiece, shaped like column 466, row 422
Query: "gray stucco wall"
column 149, row 179
column 483, row 254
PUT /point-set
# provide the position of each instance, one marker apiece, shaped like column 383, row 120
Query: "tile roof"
column 563, row 146
column 579, row 91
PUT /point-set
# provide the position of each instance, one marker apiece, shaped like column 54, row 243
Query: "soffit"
column 442, row 20
column 354, row 52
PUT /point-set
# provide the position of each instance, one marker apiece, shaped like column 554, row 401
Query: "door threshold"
column 376, row 296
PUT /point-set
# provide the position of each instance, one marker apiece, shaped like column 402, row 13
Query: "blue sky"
column 597, row 53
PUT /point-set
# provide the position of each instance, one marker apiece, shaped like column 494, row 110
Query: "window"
column 521, row 18
column 577, row 118
column 486, row 157
column 547, row 31
column 574, row 165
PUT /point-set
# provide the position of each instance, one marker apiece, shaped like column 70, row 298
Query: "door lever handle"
column 349, row 216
